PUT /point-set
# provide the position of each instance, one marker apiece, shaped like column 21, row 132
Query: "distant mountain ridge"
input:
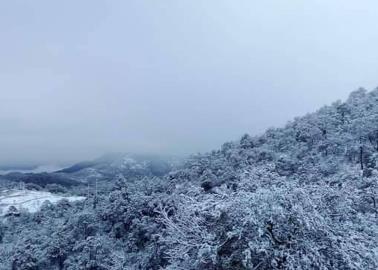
column 104, row 168
column 125, row 163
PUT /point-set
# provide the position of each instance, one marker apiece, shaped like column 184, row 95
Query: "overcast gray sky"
column 80, row 78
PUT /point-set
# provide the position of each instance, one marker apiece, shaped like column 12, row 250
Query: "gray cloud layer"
column 79, row 78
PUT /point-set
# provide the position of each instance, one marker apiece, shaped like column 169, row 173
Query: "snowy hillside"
column 29, row 200
column 300, row 197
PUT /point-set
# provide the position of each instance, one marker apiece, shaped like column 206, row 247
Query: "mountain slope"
column 298, row 197
column 313, row 146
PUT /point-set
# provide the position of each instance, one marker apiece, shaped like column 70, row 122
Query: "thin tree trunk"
column 361, row 157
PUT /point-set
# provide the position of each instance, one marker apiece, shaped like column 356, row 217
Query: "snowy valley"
column 29, row 200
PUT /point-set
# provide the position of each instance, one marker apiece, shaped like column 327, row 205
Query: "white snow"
column 29, row 200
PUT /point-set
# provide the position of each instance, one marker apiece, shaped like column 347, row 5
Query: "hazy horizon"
column 80, row 79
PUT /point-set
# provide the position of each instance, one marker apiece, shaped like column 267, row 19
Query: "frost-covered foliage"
column 273, row 225
column 299, row 197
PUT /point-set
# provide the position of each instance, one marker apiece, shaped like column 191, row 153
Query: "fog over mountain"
column 83, row 78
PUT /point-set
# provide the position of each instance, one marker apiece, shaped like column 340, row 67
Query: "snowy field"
column 29, row 200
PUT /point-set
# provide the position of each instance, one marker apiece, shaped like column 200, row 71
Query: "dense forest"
column 303, row 196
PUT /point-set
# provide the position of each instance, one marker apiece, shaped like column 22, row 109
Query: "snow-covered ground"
column 29, row 200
